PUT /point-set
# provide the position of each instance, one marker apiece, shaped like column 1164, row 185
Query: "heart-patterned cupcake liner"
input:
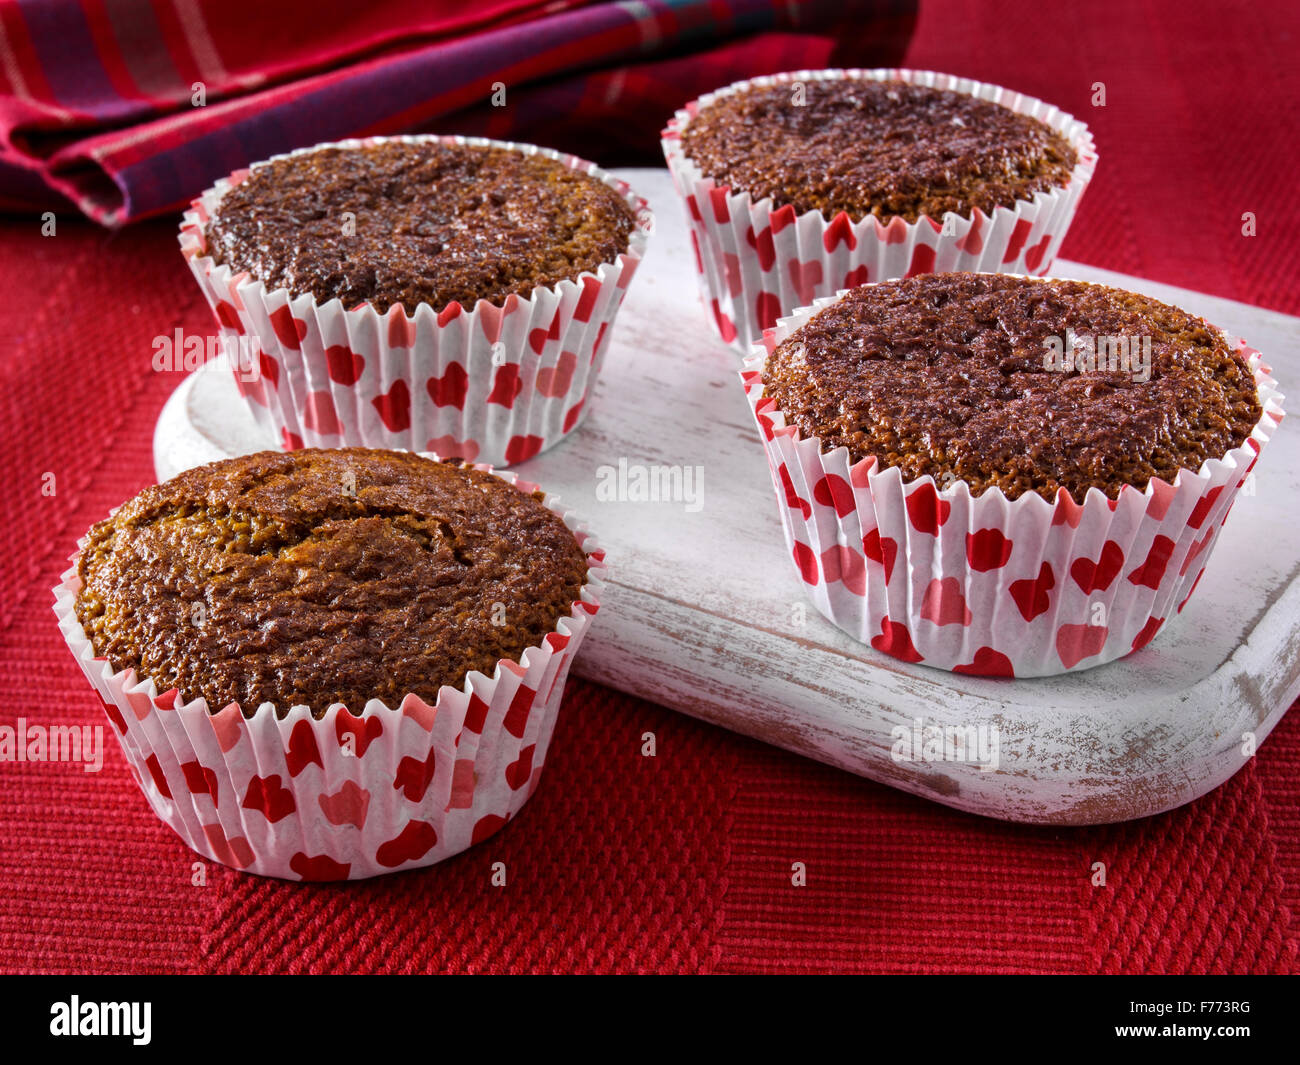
column 984, row 584
column 348, row 795
column 759, row 261
column 496, row 383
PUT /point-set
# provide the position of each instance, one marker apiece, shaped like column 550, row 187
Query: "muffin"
column 446, row 294
column 803, row 184
column 328, row 664
column 1005, row 475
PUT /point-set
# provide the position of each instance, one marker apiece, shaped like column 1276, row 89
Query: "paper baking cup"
column 757, row 262
column 347, row 796
column 497, row 383
column 984, row 584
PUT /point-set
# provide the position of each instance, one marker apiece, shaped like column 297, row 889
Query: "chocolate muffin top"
column 417, row 223
column 966, row 377
column 323, row 576
column 878, row 148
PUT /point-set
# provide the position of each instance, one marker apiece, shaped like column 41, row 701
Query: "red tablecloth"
column 680, row 862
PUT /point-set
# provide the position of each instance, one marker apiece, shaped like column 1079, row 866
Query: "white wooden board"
column 706, row 615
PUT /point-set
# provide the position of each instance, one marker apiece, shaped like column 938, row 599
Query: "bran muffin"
column 428, row 222
column 949, row 375
column 875, row 148
column 324, row 576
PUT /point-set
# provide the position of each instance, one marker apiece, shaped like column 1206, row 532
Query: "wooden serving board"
column 705, row 612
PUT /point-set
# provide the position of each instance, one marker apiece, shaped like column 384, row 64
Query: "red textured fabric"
column 681, row 862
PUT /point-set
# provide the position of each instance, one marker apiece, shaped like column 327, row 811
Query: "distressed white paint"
column 702, row 607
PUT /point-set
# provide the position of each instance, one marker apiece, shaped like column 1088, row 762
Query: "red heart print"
column 475, row 715
column 486, row 826
column 840, row 231
column 347, row 806
column 805, row 277
column 944, row 603
column 894, row 639
column 556, row 380
column 522, row 448
column 289, row 331
column 1148, row 633
column 721, row 212
column 228, row 316
column 319, row 415
column 236, row 852
column 767, row 309
column 521, row 705
column 271, row 797
column 922, row 260
column 200, row 779
column 845, row 565
column 987, row 549
column 410, row 845
column 448, row 314
column 228, row 726
column 987, row 663
column 302, row 750
column 926, row 511
column 587, row 301
column 732, row 274
column 447, row 447
column 1018, row 237
column 781, row 218
column 834, row 491
column 401, row 329
column 571, row 418
column 1203, row 506
column 1097, row 576
column 880, row 549
column 1195, row 550
column 1074, row 643
column 505, row 385
column 492, row 317
column 537, row 338
column 1031, row 595
column 1034, row 256
column 395, row 407
column 518, row 771
column 159, row 778
column 363, row 731
column 763, row 244
column 1067, row 511
column 451, row 388
column 973, row 242
column 319, row 868
column 859, row 275
column 462, row 785
column 1162, row 496
column 1192, row 592
column 114, row 715
column 894, row 233
column 726, row 327
column 806, row 561
column 291, row 441
column 413, row 776
column 343, row 364
column 1152, row 571
column 792, row 499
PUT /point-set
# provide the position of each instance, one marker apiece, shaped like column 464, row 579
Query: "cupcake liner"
column 347, row 796
column 497, row 383
column 757, row 262
column 983, row 584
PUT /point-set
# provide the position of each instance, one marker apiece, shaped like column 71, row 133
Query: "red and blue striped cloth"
column 128, row 108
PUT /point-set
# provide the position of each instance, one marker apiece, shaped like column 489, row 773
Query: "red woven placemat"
column 681, row 862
